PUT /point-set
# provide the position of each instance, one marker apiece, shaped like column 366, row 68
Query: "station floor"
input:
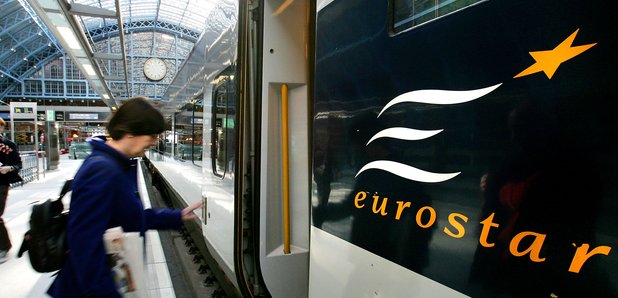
column 18, row 279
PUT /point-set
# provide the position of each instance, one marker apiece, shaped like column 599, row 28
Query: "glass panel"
column 54, row 88
column 33, row 87
column 189, row 14
column 411, row 13
column 184, row 140
column 53, row 70
column 72, row 72
column 76, row 88
column 197, row 128
column 189, row 133
column 222, row 117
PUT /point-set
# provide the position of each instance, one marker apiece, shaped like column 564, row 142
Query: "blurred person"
column 10, row 164
column 547, row 184
column 105, row 195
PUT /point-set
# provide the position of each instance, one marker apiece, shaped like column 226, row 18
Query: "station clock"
column 155, row 69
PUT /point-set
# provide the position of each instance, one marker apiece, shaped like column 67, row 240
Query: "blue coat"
column 104, row 195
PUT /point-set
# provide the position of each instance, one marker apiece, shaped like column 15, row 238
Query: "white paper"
column 125, row 253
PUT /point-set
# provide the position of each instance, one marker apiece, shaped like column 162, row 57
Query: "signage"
column 51, row 115
column 83, row 116
column 23, row 110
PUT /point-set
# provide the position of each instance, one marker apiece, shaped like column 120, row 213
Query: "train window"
column 411, row 13
column 223, row 118
column 188, row 127
column 197, row 123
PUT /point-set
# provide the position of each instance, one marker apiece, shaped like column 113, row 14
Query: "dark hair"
column 137, row 116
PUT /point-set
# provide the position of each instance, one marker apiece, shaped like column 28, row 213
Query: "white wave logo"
column 408, row 172
column 438, row 97
column 403, row 133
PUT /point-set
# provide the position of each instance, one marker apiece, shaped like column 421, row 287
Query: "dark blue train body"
column 501, row 181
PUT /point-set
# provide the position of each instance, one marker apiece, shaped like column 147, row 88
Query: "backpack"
column 46, row 240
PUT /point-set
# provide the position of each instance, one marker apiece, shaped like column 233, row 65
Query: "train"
column 400, row 148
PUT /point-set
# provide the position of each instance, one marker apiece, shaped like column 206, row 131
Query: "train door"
column 282, row 163
column 217, row 73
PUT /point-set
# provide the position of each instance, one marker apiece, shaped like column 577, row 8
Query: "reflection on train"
column 79, row 150
column 185, row 140
column 223, row 114
column 188, row 137
column 401, row 148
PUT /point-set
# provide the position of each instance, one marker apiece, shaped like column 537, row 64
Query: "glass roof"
column 189, row 14
column 23, row 45
column 153, row 28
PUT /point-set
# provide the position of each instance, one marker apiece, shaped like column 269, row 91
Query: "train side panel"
column 284, row 150
column 217, row 84
column 468, row 153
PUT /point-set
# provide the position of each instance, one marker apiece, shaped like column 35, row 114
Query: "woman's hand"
column 6, row 169
column 187, row 213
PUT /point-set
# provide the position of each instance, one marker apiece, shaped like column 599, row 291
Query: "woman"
column 105, row 195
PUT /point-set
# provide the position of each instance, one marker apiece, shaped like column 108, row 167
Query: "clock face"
column 155, row 69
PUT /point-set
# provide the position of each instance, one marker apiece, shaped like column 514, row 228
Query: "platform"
column 17, row 276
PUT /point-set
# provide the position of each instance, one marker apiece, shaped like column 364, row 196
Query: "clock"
column 155, row 69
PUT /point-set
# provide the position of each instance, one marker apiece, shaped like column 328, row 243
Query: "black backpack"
column 46, row 241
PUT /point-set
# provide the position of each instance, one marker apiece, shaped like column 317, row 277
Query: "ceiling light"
column 49, row 4
column 89, row 70
column 69, row 37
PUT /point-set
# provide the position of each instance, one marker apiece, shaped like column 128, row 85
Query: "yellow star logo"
column 549, row 61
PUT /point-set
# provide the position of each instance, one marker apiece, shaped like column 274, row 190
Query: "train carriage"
column 405, row 148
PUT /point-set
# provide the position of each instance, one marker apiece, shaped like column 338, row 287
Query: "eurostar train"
column 365, row 148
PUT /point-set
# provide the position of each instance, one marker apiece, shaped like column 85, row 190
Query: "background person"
column 10, row 164
column 105, row 195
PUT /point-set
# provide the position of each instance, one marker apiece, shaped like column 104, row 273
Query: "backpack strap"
column 66, row 188
column 24, row 245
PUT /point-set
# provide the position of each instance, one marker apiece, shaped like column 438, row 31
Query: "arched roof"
column 26, row 44
column 23, row 44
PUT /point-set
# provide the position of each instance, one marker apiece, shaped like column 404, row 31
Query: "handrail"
column 286, row 169
column 30, row 167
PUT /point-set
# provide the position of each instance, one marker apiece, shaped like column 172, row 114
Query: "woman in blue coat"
column 105, row 195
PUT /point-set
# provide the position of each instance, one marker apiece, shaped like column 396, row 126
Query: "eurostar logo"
column 549, row 61
column 546, row 61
